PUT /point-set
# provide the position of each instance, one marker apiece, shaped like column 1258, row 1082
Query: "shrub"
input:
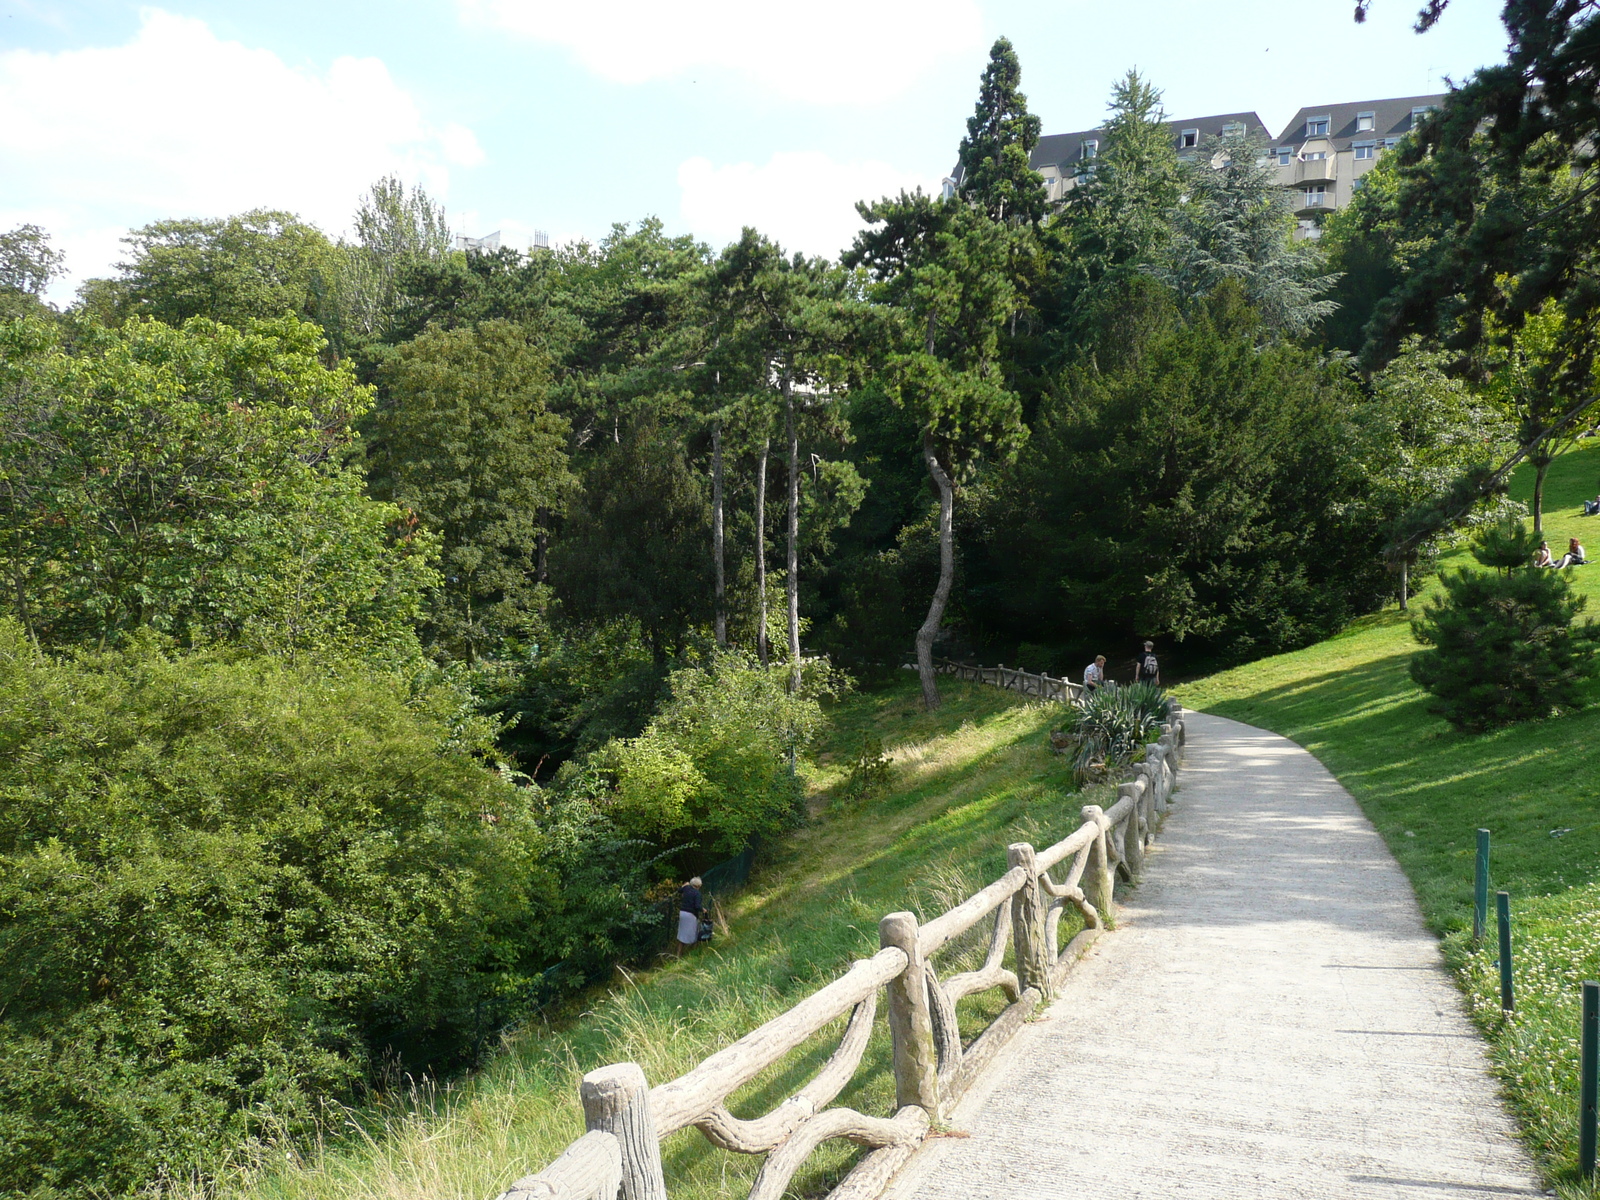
column 1504, row 648
column 229, row 888
column 1107, row 728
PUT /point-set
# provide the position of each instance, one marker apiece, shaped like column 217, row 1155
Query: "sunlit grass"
column 1536, row 787
column 968, row 780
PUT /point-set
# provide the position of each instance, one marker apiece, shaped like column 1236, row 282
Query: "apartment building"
column 1320, row 157
column 1061, row 157
column 1324, row 151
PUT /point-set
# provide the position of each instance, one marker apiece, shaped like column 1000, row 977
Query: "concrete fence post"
column 1029, row 933
column 1133, row 840
column 616, row 1100
column 916, row 1061
column 1098, row 877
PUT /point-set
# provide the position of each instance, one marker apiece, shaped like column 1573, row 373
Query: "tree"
column 27, row 261
column 636, row 540
column 1494, row 214
column 1236, row 222
column 1117, row 220
column 1503, row 645
column 939, row 271
column 190, row 480
column 395, row 230
column 1001, row 134
column 465, row 441
column 257, row 265
column 1426, row 428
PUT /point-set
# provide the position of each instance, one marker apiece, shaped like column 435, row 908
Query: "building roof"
column 1391, row 118
column 1061, row 150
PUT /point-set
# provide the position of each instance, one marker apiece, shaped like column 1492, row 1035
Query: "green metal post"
column 1502, row 912
column 1589, row 1076
column 1480, row 888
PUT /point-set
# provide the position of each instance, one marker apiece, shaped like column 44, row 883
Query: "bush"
column 231, row 887
column 1504, row 646
column 1108, row 727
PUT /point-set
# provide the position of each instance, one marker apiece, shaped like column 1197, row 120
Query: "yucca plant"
column 1107, row 728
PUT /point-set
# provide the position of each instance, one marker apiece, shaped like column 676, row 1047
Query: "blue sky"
column 525, row 114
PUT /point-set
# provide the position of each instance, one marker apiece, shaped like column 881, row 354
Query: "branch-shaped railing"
column 626, row 1118
column 1010, row 678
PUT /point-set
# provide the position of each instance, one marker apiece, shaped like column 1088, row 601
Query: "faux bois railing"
column 1014, row 680
column 627, row 1118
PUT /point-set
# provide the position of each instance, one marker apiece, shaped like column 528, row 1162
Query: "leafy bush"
column 712, row 767
column 1107, row 728
column 230, row 887
column 1504, row 648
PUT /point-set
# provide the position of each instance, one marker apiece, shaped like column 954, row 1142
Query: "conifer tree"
column 1001, row 134
column 1503, row 644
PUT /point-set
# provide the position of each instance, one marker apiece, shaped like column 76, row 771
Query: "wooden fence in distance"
column 627, row 1118
column 1016, row 680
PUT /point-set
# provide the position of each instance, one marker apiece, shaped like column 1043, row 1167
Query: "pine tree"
column 1001, row 134
column 1503, row 644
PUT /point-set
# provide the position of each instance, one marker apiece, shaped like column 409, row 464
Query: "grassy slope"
column 969, row 779
column 1350, row 702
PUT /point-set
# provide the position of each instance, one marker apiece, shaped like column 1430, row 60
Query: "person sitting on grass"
column 1541, row 556
column 689, row 910
column 1591, row 507
column 1574, row 555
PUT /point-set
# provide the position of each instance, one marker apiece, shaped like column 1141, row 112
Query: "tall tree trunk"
column 1541, row 464
column 541, row 544
column 1405, row 582
column 762, row 650
column 716, row 533
column 793, row 581
column 947, row 572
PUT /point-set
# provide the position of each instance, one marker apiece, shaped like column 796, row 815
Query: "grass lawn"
column 967, row 781
column 1536, row 787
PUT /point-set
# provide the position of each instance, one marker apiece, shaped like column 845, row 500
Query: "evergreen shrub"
column 1503, row 647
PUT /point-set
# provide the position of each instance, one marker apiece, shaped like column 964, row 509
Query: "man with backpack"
column 1148, row 669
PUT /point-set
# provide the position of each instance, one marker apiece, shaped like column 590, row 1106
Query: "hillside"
column 967, row 781
column 1350, row 701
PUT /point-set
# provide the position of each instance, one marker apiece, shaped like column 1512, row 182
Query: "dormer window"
column 1091, row 147
column 1317, row 126
column 1365, row 122
column 1188, row 139
column 1364, row 149
column 1232, row 127
column 1419, row 112
column 1285, row 155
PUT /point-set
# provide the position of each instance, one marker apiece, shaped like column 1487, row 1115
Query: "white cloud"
column 822, row 51
column 178, row 122
column 804, row 200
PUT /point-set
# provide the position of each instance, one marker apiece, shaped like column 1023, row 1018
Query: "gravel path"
column 1270, row 1019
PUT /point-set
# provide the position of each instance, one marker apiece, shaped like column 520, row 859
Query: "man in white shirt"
column 1094, row 675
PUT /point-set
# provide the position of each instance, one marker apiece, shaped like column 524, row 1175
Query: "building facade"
column 1324, row 151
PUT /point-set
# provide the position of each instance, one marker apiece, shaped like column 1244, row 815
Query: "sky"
column 570, row 116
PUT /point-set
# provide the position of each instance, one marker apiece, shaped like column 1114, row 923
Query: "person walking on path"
column 689, row 910
column 1148, row 668
column 1094, row 675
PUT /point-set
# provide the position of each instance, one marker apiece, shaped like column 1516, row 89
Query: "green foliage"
column 1235, row 222
column 465, row 442
column 229, row 888
column 712, row 768
column 28, row 262
column 189, row 480
column 1110, row 726
column 637, row 541
column 1205, row 488
column 395, row 230
column 258, row 265
column 1001, row 134
column 1503, row 644
column 871, row 770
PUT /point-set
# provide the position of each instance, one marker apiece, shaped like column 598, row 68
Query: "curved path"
column 1270, row 1019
